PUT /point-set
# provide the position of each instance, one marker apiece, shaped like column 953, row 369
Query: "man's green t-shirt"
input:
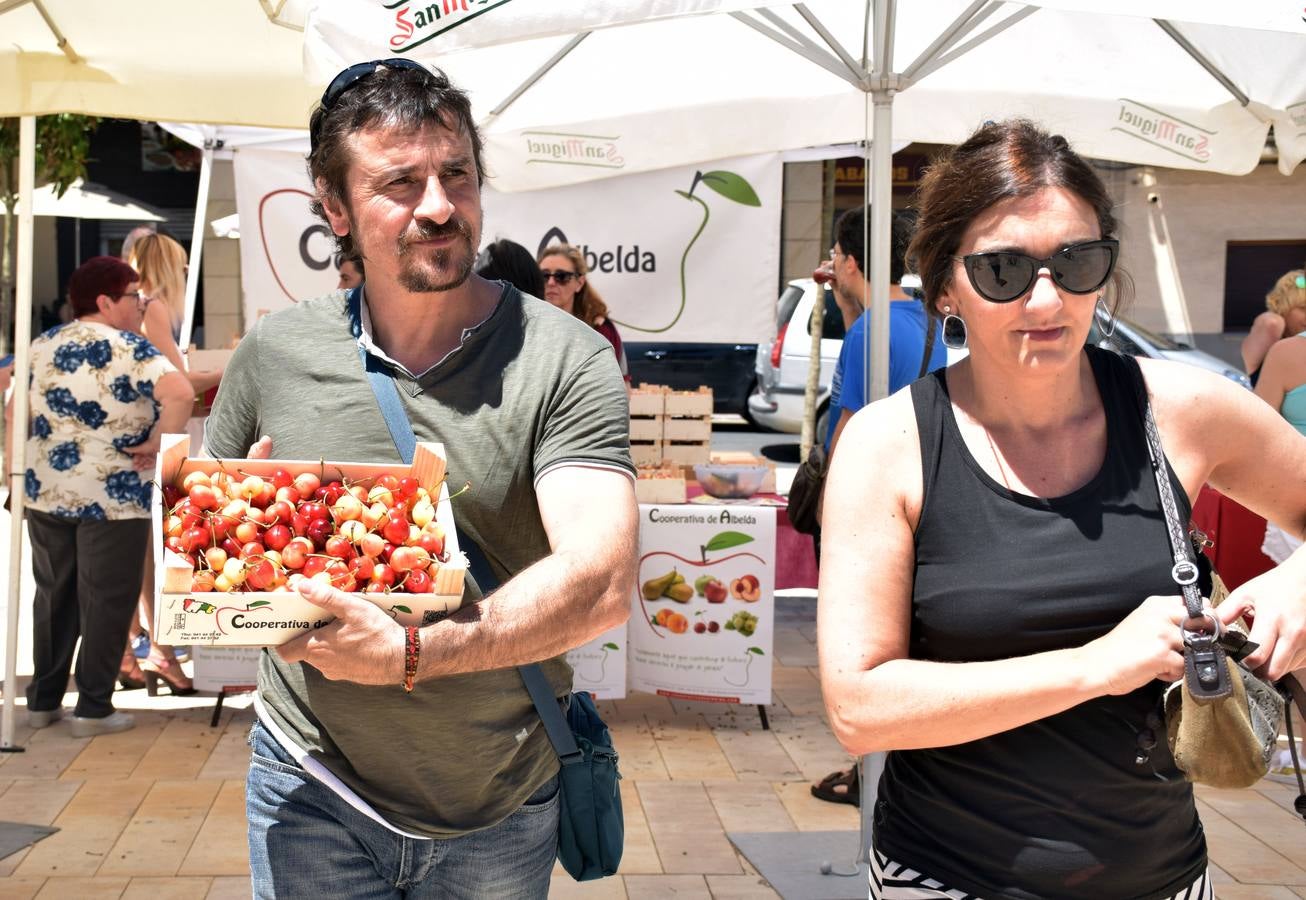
column 531, row 388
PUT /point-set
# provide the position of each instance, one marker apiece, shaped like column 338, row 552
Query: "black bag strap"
column 1207, row 675
column 401, row 431
column 929, row 341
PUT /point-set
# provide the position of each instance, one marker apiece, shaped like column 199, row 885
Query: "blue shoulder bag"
column 591, row 830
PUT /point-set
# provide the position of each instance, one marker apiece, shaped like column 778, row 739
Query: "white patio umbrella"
column 236, row 62
column 585, row 92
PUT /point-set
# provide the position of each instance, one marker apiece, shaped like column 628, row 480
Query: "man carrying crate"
column 356, row 787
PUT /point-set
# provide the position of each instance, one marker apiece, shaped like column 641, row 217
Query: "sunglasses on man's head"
column 1001, row 276
column 560, row 276
column 354, row 74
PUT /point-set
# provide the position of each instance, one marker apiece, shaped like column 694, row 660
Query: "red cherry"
column 318, row 532
column 277, row 537
column 314, row 510
column 231, row 545
column 408, row 486
column 202, row 496
column 288, row 495
column 281, row 478
column 404, row 559
column 341, row 577
column 221, row 525
column 313, row 565
column 375, row 587
column 332, row 492
column 339, row 547
column 418, row 582
column 280, row 511
column 432, row 543
column 296, row 553
column 382, row 573
column 362, row 567
column 246, row 532
column 252, row 549
column 395, row 529
column 203, row 581
column 261, row 575
column 299, row 524
column 306, row 483
column 196, row 538
column 389, row 482
column 172, row 495
column 173, row 543
column 263, row 496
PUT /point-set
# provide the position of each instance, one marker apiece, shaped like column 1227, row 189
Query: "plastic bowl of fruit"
column 730, row 481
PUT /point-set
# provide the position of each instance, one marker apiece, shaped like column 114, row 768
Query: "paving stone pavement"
column 158, row 812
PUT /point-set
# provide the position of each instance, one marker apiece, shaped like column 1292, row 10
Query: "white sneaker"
column 117, row 721
column 40, row 718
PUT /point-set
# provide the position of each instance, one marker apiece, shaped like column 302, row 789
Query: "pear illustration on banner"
column 729, row 185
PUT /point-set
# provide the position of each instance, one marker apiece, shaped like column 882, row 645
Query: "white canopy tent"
column 237, row 63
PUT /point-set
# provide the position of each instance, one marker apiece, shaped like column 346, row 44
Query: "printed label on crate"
column 599, row 667
column 268, row 619
column 704, row 608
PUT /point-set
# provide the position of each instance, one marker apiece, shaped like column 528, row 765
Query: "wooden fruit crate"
column 690, row 404
column 263, row 619
column 646, row 453
column 647, row 400
column 660, row 485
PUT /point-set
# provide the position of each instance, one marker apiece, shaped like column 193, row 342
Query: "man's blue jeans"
column 307, row 842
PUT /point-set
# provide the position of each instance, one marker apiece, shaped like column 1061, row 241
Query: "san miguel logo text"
column 566, row 149
column 417, row 23
column 1163, row 130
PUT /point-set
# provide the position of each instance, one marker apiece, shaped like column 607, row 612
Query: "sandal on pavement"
column 839, row 787
column 169, row 671
column 129, row 673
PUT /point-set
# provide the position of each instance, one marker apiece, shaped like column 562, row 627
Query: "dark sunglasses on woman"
column 1001, row 276
column 559, row 276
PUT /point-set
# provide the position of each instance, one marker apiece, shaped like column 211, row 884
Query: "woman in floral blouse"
column 101, row 396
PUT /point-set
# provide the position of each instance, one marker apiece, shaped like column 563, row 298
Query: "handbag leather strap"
column 381, row 379
column 1204, row 659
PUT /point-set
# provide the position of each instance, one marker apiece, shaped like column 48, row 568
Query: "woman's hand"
column 1147, row 645
column 1275, row 604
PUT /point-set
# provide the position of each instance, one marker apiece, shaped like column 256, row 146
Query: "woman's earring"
column 1106, row 322
column 954, row 330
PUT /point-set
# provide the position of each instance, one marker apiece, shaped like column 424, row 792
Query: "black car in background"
column 726, row 368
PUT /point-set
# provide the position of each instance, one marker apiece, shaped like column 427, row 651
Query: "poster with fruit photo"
column 704, row 611
column 599, row 667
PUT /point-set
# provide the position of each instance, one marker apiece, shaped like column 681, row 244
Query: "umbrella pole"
column 18, row 437
column 197, row 245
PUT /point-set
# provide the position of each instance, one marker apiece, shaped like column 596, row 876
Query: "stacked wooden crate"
column 687, row 427
column 670, row 427
column 647, row 407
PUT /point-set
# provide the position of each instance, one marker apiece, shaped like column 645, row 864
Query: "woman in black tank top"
column 996, row 603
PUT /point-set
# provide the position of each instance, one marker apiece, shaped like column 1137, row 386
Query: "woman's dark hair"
column 1013, row 158
column 98, row 275
column 509, row 261
column 405, row 100
column 848, row 234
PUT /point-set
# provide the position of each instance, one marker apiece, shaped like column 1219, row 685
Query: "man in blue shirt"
column 907, row 321
column 907, row 338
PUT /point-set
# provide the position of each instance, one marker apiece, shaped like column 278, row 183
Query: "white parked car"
column 777, row 401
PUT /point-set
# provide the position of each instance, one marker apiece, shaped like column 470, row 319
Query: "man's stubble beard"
column 419, row 280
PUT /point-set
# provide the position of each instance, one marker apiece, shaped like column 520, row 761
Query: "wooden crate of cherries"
column 234, row 537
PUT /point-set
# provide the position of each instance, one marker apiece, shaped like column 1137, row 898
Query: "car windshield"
column 787, row 303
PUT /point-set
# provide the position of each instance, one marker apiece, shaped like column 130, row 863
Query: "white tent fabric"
column 89, row 201
column 1119, row 79
column 183, row 60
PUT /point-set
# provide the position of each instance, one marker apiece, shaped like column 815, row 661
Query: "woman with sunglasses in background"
column 567, row 286
column 996, row 602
